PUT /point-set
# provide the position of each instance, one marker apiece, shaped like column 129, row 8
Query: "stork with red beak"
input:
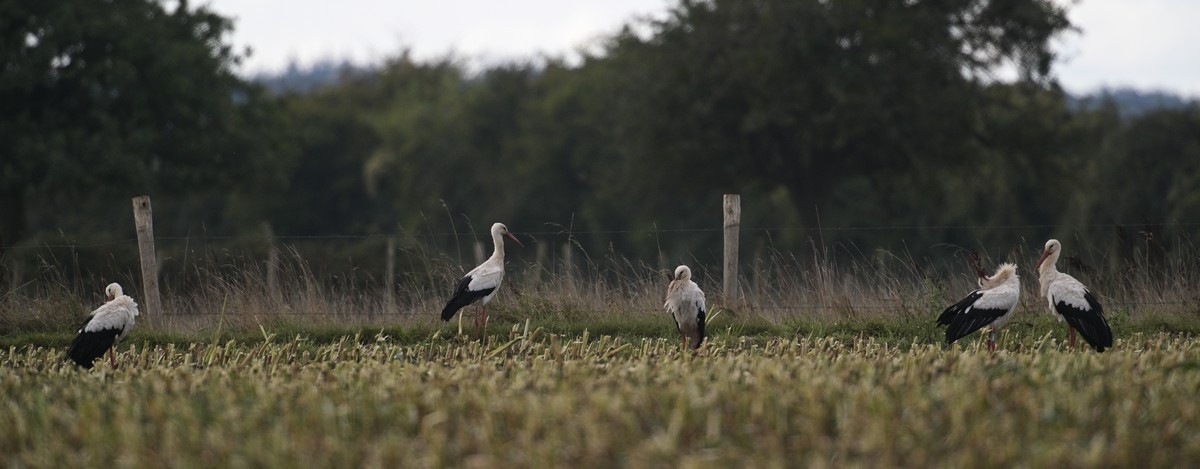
column 991, row 305
column 481, row 283
column 105, row 326
column 1072, row 302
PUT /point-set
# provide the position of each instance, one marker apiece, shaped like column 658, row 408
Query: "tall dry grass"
column 826, row 282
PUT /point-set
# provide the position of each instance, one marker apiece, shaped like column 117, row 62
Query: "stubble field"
column 532, row 398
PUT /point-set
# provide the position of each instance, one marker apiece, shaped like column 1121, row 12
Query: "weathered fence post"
column 733, row 221
column 143, row 218
column 389, row 276
column 568, row 263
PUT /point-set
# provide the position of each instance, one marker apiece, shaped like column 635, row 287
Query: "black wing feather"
column 957, row 308
column 962, row 318
column 88, row 346
column 970, row 322
column 463, row 296
column 1090, row 324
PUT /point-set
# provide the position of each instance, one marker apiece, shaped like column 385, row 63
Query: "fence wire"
column 875, row 304
column 584, row 233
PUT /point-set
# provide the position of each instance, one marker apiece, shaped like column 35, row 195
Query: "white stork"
column 481, row 283
column 104, row 327
column 991, row 305
column 1071, row 301
column 685, row 303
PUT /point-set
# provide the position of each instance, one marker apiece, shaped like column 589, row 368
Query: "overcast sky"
column 1152, row 44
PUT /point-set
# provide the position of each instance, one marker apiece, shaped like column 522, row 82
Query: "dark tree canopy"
column 808, row 94
column 120, row 98
column 911, row 125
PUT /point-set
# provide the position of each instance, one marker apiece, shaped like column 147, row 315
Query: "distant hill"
column 297, row 79
column 1130, row 102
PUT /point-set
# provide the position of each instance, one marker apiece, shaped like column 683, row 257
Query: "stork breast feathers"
column 1066, row 289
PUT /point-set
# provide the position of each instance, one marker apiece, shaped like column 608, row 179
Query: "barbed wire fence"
column 731, row 284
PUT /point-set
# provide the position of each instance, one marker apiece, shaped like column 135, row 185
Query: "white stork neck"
column 1049, row 265
column 497, row 246
column 1048, row 272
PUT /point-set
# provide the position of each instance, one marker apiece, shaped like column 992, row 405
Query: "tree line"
column 821, row 113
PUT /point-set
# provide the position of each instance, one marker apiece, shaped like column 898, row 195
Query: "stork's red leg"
column 1072, row 336
column 112, row 358
column 484, row 322
column 476, row 319
column 991, row 340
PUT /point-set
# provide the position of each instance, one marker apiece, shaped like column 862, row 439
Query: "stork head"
column 498, row 230
column 1051, row 252
column 683, row 273
column 112, row 291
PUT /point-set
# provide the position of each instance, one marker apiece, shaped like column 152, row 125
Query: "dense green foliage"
column 836, row 115
column 105, row 100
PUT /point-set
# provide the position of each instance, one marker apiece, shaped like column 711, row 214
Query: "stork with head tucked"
column 685, row 303
column 991, row 305
column 105, row 326
column 481, row 283
column 1072, row 302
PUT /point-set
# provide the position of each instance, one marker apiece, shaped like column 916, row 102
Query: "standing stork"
column 685, row 303
column 991, row 305
column 481, row 282
column 1071, row 301
column 106, row 325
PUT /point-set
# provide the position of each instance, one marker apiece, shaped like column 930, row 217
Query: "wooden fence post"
column 389, row 276
column 540, row 249
column 143, row 218
column 733, row 221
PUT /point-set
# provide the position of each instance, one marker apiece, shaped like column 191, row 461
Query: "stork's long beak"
column 514, row 238
column 1045, row 254
column 109, row 297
